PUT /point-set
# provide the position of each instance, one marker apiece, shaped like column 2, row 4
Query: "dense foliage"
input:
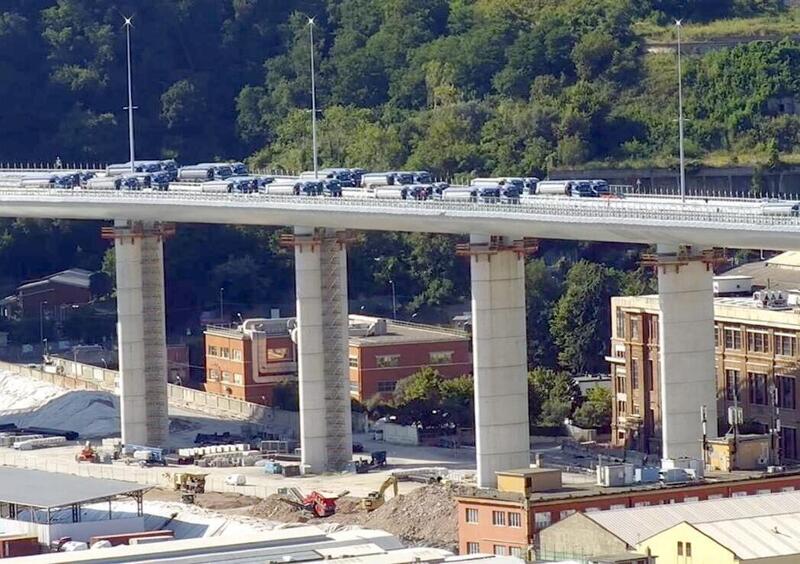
column 513, row 86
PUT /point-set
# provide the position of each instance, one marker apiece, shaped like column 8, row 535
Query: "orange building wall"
column 413, row 357
column 487, row 534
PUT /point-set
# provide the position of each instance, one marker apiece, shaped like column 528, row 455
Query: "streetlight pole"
column 221, row 309
column 678, row 25
column 130, row 107
column 313, row 99
column 394, row 300
column 41, row 322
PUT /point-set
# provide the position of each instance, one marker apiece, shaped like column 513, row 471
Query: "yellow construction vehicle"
column 188, row 483
column 375, row 499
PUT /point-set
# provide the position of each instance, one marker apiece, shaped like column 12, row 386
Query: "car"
column 358, row 447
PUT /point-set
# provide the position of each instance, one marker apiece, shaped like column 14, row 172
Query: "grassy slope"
column 787, row 23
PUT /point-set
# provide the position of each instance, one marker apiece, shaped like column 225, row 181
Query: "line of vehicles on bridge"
column 234, row 177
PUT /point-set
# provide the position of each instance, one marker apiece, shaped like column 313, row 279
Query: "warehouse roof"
column 35, row 488
column 636, row 524
column 756, row 537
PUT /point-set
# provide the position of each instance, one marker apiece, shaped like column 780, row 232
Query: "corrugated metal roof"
column 636, row 524
column 757, row 537
column 36, row 488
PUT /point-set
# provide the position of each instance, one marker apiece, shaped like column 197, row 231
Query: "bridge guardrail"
column 597, row 209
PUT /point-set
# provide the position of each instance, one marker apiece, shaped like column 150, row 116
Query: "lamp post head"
column 311, row 21
column 128, row 22
column 678, row 23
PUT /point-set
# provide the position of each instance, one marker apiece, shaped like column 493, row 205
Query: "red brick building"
column 247, row 361
column 394, row 350
column 47, row 295
column 507, row 522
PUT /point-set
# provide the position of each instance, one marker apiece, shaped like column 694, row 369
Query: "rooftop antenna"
column 313, row 99
column 130, row 106
column 678, row 25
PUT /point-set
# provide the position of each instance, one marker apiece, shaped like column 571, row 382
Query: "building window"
column 440, row 357
column 641, row 504
column 386, row 386
column 787, row 489
column 785, row 345
column 472, row 515
column 635, row 325
column 236, row 354
column 733, row 339
column 226, row 376
column 732, row 385
column 238, row 379
column 621, row 407
column 786, row 392
column 688, row 550
column 473, row 548
column 499, row 518
column 680, row 548
column 738, row 494
column 280, row 354
column 757, row 382
column 353, row 361
column 566, row 513
column 620, row 323
column 634, row 374
column 652, row 329
column 788, row 442
column 757, row 341
column 224, row 352
column 515, row 551
column 542, row 520
column 500, row 550
column 387, row 360
column 213, row 374
column 514, row 520
column 620, row 386
column 716, row 335
column 635, row 409
column 213, row 351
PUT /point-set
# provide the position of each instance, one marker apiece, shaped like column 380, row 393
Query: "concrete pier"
column 141, row 331
column 502, row 432
column 322, row 344
column 686, row 349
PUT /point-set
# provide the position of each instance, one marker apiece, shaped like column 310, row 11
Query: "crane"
column 375, row 499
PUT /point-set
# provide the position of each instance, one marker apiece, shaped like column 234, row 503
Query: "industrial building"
column 589, row 534
column 247, row 360
column 510, row 518
column 50, row 293
column 51, row 505
column 756, row 352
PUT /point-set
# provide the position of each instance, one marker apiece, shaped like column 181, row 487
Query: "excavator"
column 314, row 504
column 375, row 499
column 87, row 453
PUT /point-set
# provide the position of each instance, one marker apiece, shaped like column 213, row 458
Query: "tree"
column 595, row 412
column 542, row 288
column 551, row 396
column 286, row 395
column 580, row 323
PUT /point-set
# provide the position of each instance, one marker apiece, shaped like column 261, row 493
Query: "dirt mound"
column 426, row 516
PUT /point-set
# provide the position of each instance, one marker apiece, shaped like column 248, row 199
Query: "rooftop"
column 591, row 489
column 77, row 277
column 757, row 537
column 636, row 524
column 781, row 272
column 35, row 488
column 364, row 330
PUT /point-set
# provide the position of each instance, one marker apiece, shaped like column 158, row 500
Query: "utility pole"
column 394, row 300
column 313, row 99
column 130, row 107
column 221, row 304
column 678, row 25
